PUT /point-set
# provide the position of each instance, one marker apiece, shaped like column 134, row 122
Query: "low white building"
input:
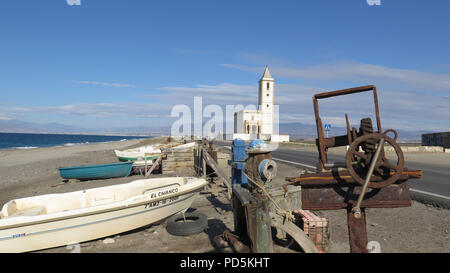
column 258, row 124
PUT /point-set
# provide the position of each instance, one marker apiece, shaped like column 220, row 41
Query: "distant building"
column 258, row 124
column 436, row 139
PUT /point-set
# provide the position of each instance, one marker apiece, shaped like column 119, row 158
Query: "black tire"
column 196, row 223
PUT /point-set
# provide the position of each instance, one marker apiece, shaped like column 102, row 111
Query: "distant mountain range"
column 295, row 130
column 18, row 126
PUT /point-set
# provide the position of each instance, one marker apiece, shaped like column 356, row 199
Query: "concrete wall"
column 279, row 138
column 408, row 149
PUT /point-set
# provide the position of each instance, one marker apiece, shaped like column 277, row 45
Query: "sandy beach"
column 35, row 171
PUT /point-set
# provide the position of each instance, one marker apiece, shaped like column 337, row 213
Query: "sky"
column 118, row 63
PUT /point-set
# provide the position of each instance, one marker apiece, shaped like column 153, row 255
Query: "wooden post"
column 154, row 165
column 204, row 164
column 145, row 171
column 197, row 159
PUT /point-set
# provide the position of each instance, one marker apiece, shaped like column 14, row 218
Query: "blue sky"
column 127, row 63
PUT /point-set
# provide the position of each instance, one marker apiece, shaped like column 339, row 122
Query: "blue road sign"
column 327, row 127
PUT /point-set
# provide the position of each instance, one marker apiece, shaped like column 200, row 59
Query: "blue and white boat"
column 103, row 171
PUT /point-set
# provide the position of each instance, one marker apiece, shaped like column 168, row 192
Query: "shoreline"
column 81, row 134
column 15, row 157
column 70, row 144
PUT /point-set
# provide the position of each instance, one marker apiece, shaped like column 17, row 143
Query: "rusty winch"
column 367, row 178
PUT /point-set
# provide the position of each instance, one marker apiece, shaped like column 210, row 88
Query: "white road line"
column 432, row 194
column 312, row 167
column 296, row 163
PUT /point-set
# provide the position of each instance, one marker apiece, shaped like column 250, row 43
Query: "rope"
column 284, row 213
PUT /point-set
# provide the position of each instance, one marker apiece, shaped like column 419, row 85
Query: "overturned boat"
column 53, row 220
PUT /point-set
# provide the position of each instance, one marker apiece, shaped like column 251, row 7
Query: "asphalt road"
column 435, row 183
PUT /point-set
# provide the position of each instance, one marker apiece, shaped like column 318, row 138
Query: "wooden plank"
column 179, row 159
column 180, row 153
column 158, row 161
column 178, row 164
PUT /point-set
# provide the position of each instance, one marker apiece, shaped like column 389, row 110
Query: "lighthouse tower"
column 266, row 102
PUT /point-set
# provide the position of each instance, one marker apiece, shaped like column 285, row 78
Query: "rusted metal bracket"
column 343, row 178
column 337, row 197
column 357, row 232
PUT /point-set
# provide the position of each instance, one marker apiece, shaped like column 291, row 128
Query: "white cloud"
column 102, row 110
column 351, row 71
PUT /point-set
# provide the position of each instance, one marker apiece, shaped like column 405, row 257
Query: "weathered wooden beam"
column 213, row 164
column 156, row 163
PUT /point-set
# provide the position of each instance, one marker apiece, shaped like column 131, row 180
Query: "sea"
column 33, row 141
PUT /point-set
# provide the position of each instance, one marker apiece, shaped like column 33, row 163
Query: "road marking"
column 296, row 163
column 432, row 194
column 312, row 167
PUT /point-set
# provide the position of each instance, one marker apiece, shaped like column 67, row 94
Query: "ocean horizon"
column 34, row 140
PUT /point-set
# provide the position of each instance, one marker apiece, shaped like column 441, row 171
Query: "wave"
column 26, row 147
column 76, row 144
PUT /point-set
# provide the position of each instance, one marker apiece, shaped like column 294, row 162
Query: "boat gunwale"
column 125, row 205
column 137, row 158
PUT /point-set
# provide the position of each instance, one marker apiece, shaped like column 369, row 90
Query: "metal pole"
column 204, row 163
column 145, row 173
column 356, row 210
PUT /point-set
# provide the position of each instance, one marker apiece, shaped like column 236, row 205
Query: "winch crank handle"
column 357, row 210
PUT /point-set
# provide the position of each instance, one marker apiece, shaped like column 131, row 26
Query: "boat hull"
column 76, row 230
column 103, row 171
column 136, row 157
column 101, row 219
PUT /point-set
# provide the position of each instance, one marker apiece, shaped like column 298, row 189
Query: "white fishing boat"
column 150, row 152
column 53, row 220
column 139, row 153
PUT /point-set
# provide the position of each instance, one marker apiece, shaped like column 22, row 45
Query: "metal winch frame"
column 367, row 179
